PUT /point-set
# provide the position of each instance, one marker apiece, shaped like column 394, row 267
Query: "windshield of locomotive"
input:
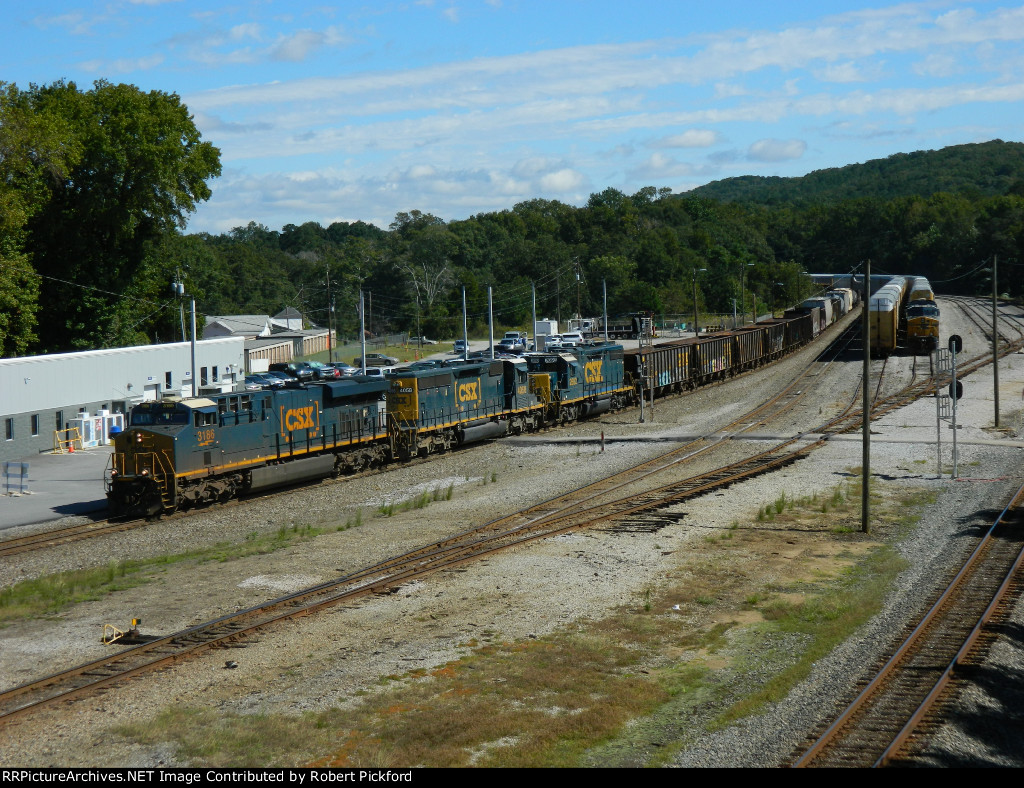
column 922, row 311
column 157, row 414
column 543, row 362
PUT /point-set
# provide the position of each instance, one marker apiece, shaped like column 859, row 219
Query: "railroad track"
column 542, row 521
column 878, row 727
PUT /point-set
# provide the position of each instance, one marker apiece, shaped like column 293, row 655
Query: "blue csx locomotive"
column 178, row 453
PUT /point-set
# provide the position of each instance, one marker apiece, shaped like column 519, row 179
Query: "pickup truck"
column 511, row 346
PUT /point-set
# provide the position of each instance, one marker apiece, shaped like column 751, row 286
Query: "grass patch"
column 50, row 594
column 823, row 621
column 421, row 501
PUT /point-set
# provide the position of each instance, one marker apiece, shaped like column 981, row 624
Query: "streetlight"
column 696, row 327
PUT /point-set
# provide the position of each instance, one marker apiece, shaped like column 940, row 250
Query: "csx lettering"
column 592, row 372
column 299, row 419
column 469, row 391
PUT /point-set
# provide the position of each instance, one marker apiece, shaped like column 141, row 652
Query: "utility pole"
column 696, row 326
column 330, row 317
column 465, row 328
column 604, row 288
column 995, row 342
column 362, row 330
column 490, row 321
column 578, row 282
column 178, row 288
column 533, row 329
column 865, row 474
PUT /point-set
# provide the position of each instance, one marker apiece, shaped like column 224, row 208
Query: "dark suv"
column 299, row 370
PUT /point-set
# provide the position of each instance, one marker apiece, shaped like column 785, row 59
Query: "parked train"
column 922, row 318
column 904, row 309
column 180, row 453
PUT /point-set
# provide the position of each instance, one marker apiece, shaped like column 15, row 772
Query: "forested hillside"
column 985, row 169
column 95, row 188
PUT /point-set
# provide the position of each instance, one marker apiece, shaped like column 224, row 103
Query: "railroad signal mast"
column 945, row 404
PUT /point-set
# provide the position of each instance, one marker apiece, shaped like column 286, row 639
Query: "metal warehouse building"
column 42, row 394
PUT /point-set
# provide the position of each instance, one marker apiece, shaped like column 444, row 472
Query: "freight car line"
column 74, row 533
column 955, row 632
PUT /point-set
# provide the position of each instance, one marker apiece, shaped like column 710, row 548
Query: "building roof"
column 240, row 324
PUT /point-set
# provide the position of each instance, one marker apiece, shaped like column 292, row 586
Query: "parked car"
column 300, row 370
column 375, row 360
column 253, row 383
column 423, row 341
column 377, row 372
column 460, row 347
column 281, row 377
column 324, row 371
column 572, row 339
column 344, row 369
column 273, row 381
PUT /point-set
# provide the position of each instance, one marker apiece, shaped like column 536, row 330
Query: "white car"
column 572, row 339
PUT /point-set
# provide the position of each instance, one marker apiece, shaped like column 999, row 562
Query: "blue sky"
column 356, row 111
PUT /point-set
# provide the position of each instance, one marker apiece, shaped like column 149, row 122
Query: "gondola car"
column 177, row 453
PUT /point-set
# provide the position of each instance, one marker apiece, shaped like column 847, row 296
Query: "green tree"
column 141, row 171
column 37, row 151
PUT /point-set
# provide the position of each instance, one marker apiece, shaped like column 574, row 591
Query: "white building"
column 42, row 394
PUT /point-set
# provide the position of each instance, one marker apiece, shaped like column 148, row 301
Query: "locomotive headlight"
column 113, row 474
column 145, row 471
column 138, row 437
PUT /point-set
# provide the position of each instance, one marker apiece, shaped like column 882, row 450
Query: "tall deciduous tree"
column 142, row 169
column 36, row 153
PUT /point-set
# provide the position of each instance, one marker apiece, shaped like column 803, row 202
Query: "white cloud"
column 109, row 68
column 691, row 138
column 937, row 65
column 776, row 150
column 841, row 72
column 660, row 167
column 296, row 47
column 247, row 30
column 565, row 180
